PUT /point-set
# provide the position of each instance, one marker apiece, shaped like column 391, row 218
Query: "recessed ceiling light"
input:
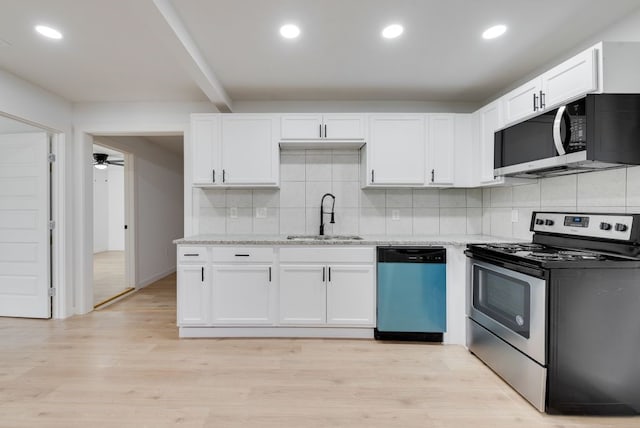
column 49, row 32
column 495, row 31
column 289, row 31
column 392, row 31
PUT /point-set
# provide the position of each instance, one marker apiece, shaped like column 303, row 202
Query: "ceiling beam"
column 196, row 63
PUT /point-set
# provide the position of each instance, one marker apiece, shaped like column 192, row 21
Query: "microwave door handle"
column 557, row 137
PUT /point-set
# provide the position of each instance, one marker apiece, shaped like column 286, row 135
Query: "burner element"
column 564, row 255
column 514, row 247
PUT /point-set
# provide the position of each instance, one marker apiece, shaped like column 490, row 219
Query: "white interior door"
column 24, row 233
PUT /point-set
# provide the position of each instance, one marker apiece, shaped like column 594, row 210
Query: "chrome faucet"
column 322, row 213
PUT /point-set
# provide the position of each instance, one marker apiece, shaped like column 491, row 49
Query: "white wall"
column 306, row 175
column 23, row 100
column 158, row 200
column 100, row 210
column 115, row 181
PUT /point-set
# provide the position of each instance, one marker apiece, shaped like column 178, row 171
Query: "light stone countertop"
column 459, row 240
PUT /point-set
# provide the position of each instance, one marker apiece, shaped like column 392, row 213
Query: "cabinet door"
column 302, row 294
column 204, row 146
column 194, row 287
column 441, row 144
column 250, row 149
column 490, row 119
column 396, row 150
column 523, row 101
column 242, row 294
column 343, row 127
column 351, row 295
column 574, row 77
column 302, row 127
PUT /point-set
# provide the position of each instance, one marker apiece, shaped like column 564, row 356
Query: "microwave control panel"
column 608, row 226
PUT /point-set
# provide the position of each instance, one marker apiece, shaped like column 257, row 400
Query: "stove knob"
column 605, row 226
column 621, row 227
column 539, row 221
column 548, row 222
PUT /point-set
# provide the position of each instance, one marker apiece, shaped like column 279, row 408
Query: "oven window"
column 506, row 300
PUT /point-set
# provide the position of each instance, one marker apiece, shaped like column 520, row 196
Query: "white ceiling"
column 125, row 50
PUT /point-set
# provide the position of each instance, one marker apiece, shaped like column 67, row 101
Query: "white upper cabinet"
column 396, row 150
column 323, row 127
column 205, row 168
column 441, row 149
column 489, row 120
column 574, row 77
column 249, row 149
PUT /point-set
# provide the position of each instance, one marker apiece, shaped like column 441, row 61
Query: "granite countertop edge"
column 366, row 241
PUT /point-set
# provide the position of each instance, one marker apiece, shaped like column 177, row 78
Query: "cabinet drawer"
column 192, row 254
column 242, row 254
column 327, row 255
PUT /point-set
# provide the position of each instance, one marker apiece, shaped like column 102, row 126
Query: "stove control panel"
column 609, row 226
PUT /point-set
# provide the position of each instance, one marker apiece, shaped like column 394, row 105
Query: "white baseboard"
column 300, row 332
column 156, row 277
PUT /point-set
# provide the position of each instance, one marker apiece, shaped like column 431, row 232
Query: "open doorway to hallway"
column 144, row 210
column 109, row 226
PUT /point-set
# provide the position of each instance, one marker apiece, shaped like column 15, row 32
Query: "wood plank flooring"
column 108, row 275
column 124, row 366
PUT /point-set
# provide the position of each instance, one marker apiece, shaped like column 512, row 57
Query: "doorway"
column 109, row 226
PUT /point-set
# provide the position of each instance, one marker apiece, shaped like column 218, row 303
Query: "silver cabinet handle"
column 557, row 138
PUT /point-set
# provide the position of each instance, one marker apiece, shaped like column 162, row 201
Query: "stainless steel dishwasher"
column 412, row 288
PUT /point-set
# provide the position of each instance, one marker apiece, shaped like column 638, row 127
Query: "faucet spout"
column 322, row 212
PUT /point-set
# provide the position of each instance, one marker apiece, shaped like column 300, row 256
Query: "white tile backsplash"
column 633, row 187
column 306, row 175
column 558, row 191
column 501, row 197
column 603, row 188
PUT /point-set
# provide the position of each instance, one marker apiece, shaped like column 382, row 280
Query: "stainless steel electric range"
column 559, row 318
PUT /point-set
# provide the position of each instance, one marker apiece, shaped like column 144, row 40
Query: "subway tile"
column 212, row 220
column 373, row 198
column 501, row 197
column 402, row 226
column 603, row 188
column 501, row 222
column 474, row 198
column 486, row 197
column 598, row 209
column 373, row 221
column 347, row 221
column 240, row 198
column 266, row 198
column 292, row 221
column 527, row 195
column 453, row 198
column 345, row 166
column 212, row 198
column 269, row 225
column 453, row 221
column 314, row 192
column 486, row 221
column 292, row 194
column 318, row 166
column 292, row 167
column 558, row 191
column 399, row 198
column 474, row 221
column 426, row 221
column 347, row 194
column 633, row 186
column 243, row 224
column 426, row 198
column 521, row 227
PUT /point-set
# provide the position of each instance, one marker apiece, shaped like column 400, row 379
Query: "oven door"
column 511, row 305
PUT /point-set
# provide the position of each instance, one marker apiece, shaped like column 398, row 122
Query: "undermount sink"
column 324, row 237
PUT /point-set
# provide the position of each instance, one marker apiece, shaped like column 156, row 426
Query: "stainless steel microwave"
column 596, row 132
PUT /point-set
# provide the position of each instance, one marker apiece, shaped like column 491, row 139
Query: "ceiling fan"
column 100, row 161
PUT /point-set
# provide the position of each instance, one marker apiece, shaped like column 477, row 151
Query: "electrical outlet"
column 514, row 216
column 233, row 212
column 395, row 214
column 261, row 212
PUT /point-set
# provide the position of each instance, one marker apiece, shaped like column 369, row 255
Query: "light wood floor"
column 124, row 366
column 108, row 275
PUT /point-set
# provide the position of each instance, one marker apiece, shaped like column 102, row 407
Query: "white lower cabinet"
column 350, row 295
column 193, row 295
column 242, row 295
column 302, row 295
